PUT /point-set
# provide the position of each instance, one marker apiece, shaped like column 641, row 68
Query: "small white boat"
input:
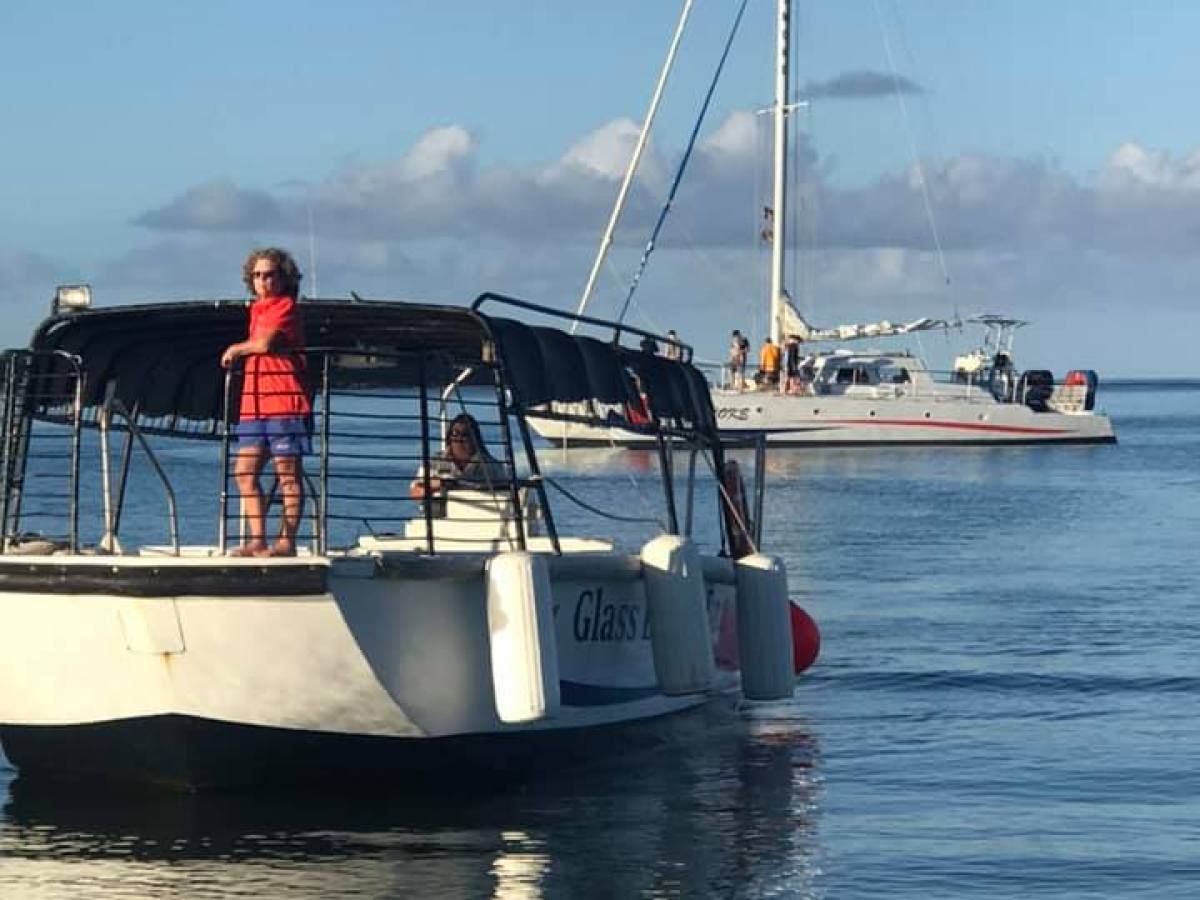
column 405, row 641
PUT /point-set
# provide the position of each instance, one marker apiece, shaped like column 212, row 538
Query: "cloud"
column 1132, row 166
column 1143, row 202
column 604, row 153
column 216, row 205
column 436, row 189
column 860, row 84
column 439, row 222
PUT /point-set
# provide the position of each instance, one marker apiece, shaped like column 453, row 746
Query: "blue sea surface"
column 1007, row 704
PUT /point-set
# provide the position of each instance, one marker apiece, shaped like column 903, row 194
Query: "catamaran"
column 461, row 634
column 835, row 396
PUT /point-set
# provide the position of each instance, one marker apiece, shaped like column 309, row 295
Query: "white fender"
column 678, row 610
column 764, row 628
column 520, row 614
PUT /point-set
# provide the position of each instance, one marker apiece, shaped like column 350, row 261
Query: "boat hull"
column 376, row 666
column 791, row 421
column 191, row 754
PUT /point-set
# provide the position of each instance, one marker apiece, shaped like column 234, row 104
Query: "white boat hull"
column 842, row 421
column 357, row 667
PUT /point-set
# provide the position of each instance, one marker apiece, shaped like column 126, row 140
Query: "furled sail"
column 795, row 325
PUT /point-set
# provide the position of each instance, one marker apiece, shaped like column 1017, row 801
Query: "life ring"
column 737, row 517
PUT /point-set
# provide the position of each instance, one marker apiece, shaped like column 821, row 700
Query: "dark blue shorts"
column 281, row 435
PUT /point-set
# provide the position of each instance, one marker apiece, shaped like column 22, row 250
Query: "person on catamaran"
column 673, row 351
column 791, row 364
column 739, row 352
column 275, row 411
column 464, row 462
column 768, row 364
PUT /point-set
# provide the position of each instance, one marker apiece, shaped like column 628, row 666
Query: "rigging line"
column 593, row 509
column 687, row 154
column 912, row 145
column 627, row 182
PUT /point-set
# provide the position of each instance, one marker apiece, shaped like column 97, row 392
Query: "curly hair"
column 289, row 272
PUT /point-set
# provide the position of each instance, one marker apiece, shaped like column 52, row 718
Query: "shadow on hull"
column 193, row 755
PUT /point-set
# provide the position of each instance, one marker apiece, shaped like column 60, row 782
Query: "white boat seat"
column 475, row 516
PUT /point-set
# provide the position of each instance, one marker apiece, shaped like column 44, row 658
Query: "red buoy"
column 806, row 639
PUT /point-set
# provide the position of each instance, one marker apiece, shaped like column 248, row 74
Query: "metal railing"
column 375, row 442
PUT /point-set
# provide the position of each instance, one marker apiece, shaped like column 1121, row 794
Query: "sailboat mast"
column 607, row 239
column 779, row 199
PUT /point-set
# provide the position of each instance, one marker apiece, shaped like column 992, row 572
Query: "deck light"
column 71, row 297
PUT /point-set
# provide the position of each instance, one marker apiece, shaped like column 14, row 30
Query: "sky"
column 951, row 157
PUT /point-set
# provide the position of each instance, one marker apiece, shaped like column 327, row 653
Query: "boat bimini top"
column 159, row 360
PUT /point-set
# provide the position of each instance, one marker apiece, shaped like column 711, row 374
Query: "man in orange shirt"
column 275, row 406
column 768, row 363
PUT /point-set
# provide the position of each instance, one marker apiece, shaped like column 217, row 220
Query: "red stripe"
column 964, row 426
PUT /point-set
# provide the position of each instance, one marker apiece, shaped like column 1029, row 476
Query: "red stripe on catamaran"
column 962, row 426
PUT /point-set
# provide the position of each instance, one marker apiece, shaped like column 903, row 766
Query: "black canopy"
column 162, row 359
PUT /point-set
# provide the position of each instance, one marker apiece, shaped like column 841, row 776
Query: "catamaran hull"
column 823, row 422
column 355, row 669
column 191, row 754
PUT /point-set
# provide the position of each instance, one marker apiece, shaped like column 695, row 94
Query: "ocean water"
column 1007, row 704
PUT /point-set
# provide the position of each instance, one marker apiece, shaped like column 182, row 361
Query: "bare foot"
column 282, row 547
column 254, row 548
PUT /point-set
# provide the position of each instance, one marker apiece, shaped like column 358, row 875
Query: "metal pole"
column 506, row 437
column 76, row 449
column 323, row 493
column 427, row 475
column 7, row 439
column 126, row 460
column 539, row 486
column 779, row 194
column 223, row 522
column 760, row 486
column 20, row 452
column 691, row 490
column 668, row 476
column 108, row 541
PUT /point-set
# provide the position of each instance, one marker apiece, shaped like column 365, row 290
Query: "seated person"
column 463, row 462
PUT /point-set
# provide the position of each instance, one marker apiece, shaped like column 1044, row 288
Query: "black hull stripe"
column 17, row 576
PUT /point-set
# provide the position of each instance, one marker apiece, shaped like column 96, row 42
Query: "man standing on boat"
column 673, row 351
column 768, row 364
column 739, row 350
column 275, row 407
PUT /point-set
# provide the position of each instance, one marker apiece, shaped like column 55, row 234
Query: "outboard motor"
column 1035, row 388
column 1003, row 378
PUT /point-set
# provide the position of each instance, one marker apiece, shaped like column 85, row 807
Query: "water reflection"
column 730, row 812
